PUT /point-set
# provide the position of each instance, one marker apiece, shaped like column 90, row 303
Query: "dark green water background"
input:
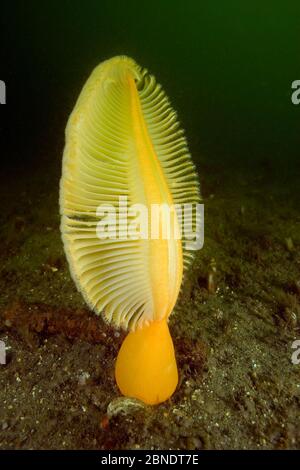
column 226, row 65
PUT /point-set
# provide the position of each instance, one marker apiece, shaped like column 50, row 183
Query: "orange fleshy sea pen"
column 123, row 140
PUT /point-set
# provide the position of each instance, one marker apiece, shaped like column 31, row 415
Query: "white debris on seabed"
column 124, row 406
column 83, row 378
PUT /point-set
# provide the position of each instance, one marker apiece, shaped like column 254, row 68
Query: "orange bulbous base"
column 146, row 366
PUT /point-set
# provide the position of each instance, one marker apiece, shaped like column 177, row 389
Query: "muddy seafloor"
column 233, row 338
